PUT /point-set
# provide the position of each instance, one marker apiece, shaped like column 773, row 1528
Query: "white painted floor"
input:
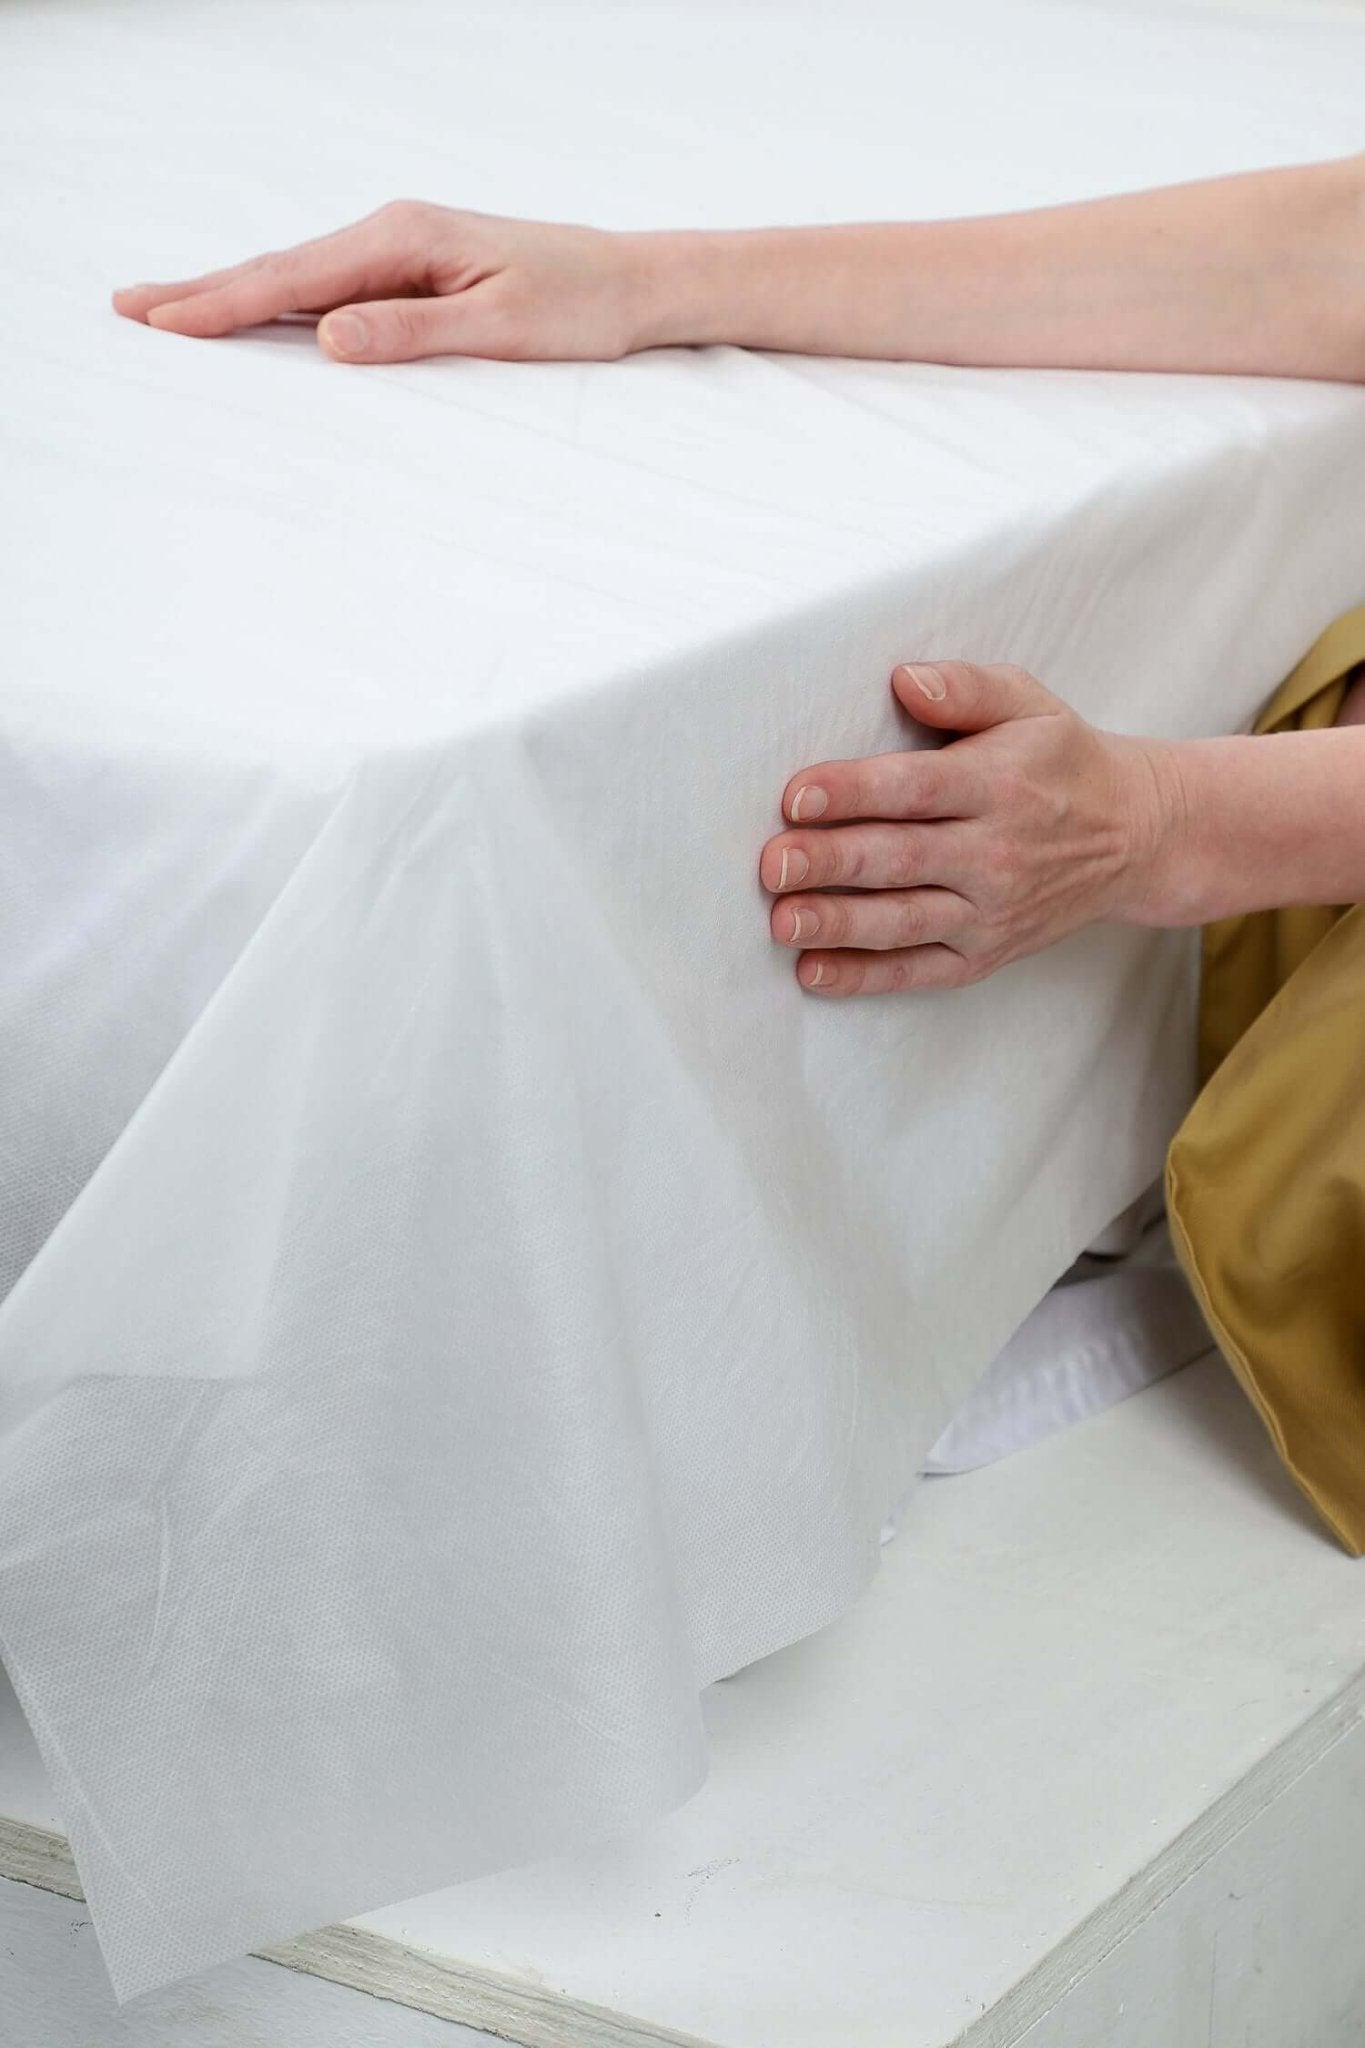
column 1084, row 1769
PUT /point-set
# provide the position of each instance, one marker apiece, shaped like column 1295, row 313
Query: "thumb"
column 962, row 696
column 402, row 330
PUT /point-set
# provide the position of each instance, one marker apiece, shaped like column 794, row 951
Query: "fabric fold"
column 1266, row 1177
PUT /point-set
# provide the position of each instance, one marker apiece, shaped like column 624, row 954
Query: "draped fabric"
column 1266, row 1177
column 460, row 1297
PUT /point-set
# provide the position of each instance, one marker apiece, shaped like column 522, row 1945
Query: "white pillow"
column 1121, row 1318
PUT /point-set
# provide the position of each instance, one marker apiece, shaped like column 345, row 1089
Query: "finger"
column 964, row 696
column 371, row 256
column 135, row 301
column 291, row 283
column 876, row 974
column 875, row 856
column 882, row 922
column 931, row 783
column 473, row 322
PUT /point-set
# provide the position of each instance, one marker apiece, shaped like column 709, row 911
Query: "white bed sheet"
column 461, row 1298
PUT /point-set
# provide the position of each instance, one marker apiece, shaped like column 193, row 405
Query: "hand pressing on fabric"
column 950, row 862
column 417, row 280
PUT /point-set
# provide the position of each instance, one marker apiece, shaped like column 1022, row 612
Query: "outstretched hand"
column 948, row 863
column 416, row 280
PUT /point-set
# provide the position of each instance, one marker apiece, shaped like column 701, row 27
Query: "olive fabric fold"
column 1265, row 1179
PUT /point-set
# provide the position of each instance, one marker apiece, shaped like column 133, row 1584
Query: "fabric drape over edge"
column 1266, row 1176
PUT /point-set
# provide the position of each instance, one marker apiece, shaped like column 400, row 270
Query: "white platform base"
column 1084, row 1769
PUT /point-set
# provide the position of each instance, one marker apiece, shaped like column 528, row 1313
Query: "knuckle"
column 905, row 861
column 409, row 222
column 927, row 777
column 999, row 873
column 845, row 858
column 911, row 924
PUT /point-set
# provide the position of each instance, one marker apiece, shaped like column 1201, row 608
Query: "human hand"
column 416, row 280
column 962, row 858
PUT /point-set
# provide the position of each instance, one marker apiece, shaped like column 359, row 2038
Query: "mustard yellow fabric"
column 1265, row 1180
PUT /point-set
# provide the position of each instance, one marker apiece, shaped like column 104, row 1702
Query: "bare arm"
column 1262, row 273
column 1262, row 823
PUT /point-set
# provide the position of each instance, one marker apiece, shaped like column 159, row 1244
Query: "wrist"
column 680, row 288
column 1246, row 823
column 804, row 290
column 1161, row 881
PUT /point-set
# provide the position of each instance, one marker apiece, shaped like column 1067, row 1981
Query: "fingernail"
column 804, row 925
column 795, row 867
column 927, row 681
column 814, row 980
column 346, row 334
column 809, row 802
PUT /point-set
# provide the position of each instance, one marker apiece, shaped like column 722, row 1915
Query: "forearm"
column 1262, row 273
column 1255, row 824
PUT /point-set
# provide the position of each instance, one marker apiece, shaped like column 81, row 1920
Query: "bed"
column 460, row 1299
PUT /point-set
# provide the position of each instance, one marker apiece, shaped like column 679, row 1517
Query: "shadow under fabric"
column 1265, row 1180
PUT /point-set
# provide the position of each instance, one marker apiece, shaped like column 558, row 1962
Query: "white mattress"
column 462, row 1297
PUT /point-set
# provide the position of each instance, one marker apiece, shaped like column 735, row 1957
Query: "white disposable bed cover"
column 462, row 1298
